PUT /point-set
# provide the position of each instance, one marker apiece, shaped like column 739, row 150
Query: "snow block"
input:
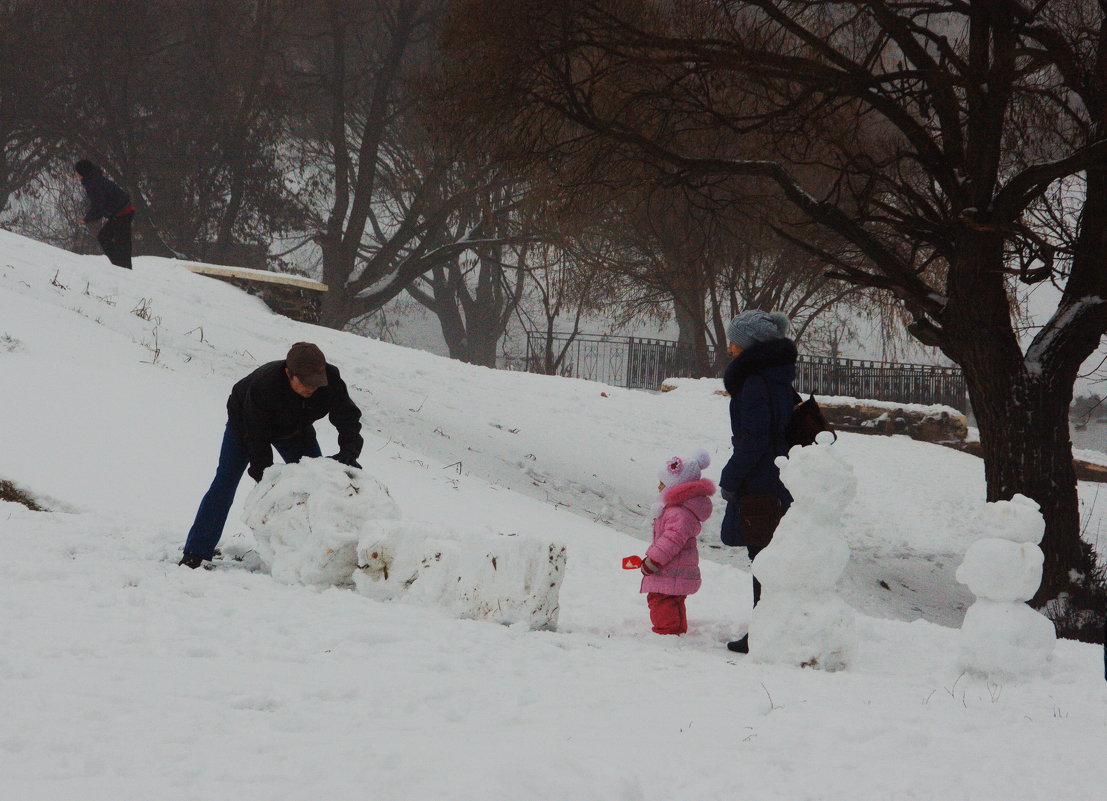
column 306, row 518
column 1006, row 640
column 478, row 575
column 1002, row 570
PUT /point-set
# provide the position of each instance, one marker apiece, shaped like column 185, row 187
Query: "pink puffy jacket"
column 676, row 524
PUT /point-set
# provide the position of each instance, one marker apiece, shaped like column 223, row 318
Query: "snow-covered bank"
column 123, row 676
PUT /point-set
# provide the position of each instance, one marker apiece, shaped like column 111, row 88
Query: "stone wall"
column 926, row 423
column 931, row 425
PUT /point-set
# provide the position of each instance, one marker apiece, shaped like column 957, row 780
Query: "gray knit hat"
column 753, row 326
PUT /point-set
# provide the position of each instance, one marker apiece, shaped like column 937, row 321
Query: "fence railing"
column 885, row 381
column 642, row 363
column 632, row 362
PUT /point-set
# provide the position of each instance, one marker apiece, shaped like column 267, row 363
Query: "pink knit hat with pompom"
column 679, row 470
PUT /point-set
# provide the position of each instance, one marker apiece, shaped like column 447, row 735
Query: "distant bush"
column 1081, row 614
column 10, row 492
column 1085, row 408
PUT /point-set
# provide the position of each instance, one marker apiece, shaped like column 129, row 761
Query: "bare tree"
column 29, row 85
column 385, row 177
column 176, row 100
column 563, row 287
column 475, row 294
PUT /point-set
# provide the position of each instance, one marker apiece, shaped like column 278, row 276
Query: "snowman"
column 1001, row 635
column 800, row 619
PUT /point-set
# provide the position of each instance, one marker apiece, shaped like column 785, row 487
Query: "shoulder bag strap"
column 772, row 417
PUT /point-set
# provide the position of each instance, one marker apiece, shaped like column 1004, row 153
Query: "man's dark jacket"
column 759, row 381
column 263, row 409
column 104, row 194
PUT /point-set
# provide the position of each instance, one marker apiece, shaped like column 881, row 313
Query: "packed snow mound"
column 307, row 517
column 1018, row 520
column 1001, row 570
column 320, row 523
column 476, row 574
column 802, row 558
column 815, row 630
column 1001, row 635
column 821, row 481
column 1006, row 640
column 800, row 619
column 808, row 552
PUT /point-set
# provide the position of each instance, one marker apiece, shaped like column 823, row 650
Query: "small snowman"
column 800, row 619
column 1001, row 635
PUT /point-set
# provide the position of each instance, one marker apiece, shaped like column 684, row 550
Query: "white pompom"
column 701, row 456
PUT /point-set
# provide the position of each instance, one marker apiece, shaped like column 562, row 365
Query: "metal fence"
column 631, row 362
column 641, row 363
column 886, row 381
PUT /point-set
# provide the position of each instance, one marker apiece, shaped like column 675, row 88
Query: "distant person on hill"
column 273, row 407
column 759, row 381
column 113, row 204
column 671, row 567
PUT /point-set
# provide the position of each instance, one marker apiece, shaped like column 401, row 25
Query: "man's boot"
column 191, row 560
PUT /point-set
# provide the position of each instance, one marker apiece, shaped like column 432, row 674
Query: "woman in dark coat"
column 759, row 381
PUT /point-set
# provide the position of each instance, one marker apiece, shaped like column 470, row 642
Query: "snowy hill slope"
column 578, row 445
column 124, row 676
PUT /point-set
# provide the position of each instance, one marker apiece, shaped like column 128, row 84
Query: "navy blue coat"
column 761, row 400
column 104, row 194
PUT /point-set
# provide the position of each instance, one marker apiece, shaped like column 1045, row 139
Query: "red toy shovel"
column 632, row 562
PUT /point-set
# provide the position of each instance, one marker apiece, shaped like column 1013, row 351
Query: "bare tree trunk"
column 472, row 323
column 1025, row 439
column 690, row 312
column 1021, row 409
column 335, row 310
column 454, row 332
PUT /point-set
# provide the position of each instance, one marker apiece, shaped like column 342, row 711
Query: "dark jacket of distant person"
column 105, row 196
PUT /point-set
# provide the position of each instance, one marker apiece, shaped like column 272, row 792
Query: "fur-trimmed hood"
column 775, row 360
column 695, row 496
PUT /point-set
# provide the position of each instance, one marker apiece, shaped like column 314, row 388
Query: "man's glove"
column 347, row 460
column 648, row 567
column 727, row 495
column 255, row 471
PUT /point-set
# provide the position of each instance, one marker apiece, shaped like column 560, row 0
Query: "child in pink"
column 672, row 563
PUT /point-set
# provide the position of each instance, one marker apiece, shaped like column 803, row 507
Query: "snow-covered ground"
column 123, row 676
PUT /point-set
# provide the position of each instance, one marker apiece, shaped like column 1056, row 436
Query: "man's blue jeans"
column 216, row 505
